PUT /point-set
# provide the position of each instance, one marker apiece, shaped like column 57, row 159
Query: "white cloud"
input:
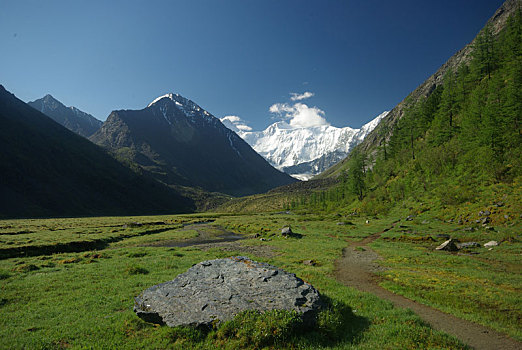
column 231, row 118
column 300, row 97
column 299, row 114
column 235, row 123
column 244, row 127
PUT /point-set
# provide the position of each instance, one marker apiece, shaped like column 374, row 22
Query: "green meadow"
column 83, row 298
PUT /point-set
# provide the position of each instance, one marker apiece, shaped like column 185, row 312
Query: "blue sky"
column 239, row 58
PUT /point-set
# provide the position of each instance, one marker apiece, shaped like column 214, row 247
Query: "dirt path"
column 356, row 268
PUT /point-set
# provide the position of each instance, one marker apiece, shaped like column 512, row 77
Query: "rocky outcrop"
column 217, row 290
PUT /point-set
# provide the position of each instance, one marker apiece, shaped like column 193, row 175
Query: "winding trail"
column 356, row 268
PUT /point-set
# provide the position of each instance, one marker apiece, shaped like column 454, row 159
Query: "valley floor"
column 70, row 283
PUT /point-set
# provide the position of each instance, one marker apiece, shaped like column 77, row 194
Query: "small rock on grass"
column 449, row 246
column 491, row 244
column 309, row 262
column 286, row 231
column 468, row 245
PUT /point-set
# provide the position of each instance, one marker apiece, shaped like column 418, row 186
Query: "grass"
column 477, row 284
column 85, row 299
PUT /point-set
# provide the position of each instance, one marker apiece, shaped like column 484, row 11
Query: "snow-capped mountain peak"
column 303, row 151
column 188, row 107
column 179, row 100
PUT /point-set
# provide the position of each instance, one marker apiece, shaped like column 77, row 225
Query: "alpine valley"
column 408, row 229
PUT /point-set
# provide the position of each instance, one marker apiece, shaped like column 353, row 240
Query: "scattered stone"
column 506, row 217
column 468, row 245
column 491, row 244
column 217, row 290
column 484, row 213
column 410, row 217
column 443, row 235
column 309, row 262
column 286, row 231
column 486, row 220
column 256, row 235
column 367, row 221
column 425, row 222
column 449, row 246
column 498, row 204
column 470, row 229
column 341, row 223
column 490, row 228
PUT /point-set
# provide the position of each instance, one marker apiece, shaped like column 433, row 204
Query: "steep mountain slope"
column 179, row 143
column 305, row 151
column 454, row 142
column 48, row 170
column 72, row 118
column 382, row 133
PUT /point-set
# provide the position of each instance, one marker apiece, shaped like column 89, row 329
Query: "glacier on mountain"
column 303, row 151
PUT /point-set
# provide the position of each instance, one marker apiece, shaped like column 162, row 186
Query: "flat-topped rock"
column 217, row 290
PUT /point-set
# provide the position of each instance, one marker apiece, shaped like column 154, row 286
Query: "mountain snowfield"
column 303, row 152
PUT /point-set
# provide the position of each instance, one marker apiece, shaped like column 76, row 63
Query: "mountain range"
column 304, row 152
column 48, row 170
column 72, row 118
column 179, row 143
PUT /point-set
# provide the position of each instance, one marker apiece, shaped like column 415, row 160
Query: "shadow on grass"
column 336, row 323
column 278, row 329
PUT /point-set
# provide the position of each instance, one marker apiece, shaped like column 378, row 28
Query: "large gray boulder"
column 217, row 290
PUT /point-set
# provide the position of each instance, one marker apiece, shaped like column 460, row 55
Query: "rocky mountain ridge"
column 72, row 118
column 180, row 143
column 49, row 171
